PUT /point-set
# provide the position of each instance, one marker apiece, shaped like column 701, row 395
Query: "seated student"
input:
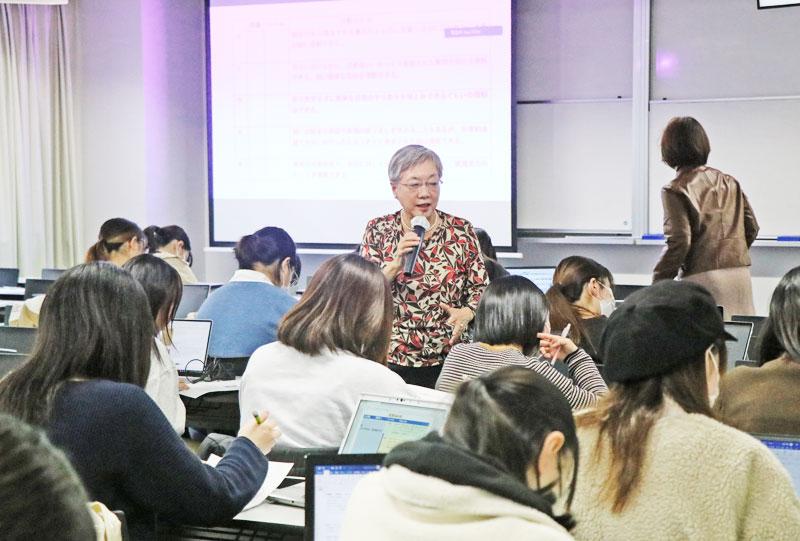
column 493, row 268
column 766, row 400
column 508, row 331
column 171, row 243
column 246, row 310
column 83, row 385
column 163, row 288
column 118, row 241
column 41, row 497
column 507, row 453
column 654, row 462
column 332, row 348
column 582, row 296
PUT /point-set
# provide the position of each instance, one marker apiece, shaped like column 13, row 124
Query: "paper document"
column 276, row 473
column 200, row 388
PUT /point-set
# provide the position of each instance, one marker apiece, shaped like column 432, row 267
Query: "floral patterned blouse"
column 449, row 270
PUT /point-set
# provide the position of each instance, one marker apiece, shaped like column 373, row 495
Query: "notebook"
column 381, row 422
column 541, row 276
column 330, row 480
column 189, row 345
column 787, row 451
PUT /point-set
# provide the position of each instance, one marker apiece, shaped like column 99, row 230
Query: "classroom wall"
column 140, row 84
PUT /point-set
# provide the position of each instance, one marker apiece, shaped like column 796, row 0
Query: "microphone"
column 420, row 225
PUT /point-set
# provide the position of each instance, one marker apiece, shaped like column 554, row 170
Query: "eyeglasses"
column 432, row 185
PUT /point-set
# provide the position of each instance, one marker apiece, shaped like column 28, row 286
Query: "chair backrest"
column 10, row 361
column 193, row 297
column 36, row 286
column 9, row 277
column 52, row 274
column 17, row 339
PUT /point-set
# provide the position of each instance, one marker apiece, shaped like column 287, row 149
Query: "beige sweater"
column 397, row 504
column 701, row 480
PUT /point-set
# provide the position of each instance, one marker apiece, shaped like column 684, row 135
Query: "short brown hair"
column 347, row 306
column 684, row 143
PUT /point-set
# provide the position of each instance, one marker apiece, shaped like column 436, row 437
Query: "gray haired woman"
column 435, row 302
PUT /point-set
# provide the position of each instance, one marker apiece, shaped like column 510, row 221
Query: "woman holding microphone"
column 436, row 299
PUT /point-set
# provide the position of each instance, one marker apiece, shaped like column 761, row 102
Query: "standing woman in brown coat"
column 708, row 222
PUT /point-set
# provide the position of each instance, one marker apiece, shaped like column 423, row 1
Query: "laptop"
column 541, row 276
column 381, row 422
column 737, row 351
column 194, row 295
column 330, row 480
column 755, row 341
column 787, row 450
column 189, row 346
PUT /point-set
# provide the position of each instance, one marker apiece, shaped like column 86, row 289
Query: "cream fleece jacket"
column 399, row 504
column 701, row 480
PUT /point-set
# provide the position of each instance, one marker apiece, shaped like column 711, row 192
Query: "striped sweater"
column 467, row 361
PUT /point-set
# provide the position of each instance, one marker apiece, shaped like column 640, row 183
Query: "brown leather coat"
column 708, row 224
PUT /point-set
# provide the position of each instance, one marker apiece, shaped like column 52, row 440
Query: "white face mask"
column 607, row 307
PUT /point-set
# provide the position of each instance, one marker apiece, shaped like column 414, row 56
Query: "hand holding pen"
column 262, row 431
column 555, row 347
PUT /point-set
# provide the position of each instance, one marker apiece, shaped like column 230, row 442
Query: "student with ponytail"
column 118, row 241
column 171, row 243
column 582, row 296
column 246, row 311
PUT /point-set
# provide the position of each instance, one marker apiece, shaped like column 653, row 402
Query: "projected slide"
column 309, row 100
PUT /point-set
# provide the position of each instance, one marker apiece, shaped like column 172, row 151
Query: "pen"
column 257, row 417
column 564, row 334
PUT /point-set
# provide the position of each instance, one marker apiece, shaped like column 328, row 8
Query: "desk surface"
column 274, row 513
column 10, row 292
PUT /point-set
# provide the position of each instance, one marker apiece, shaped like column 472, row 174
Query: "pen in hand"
column 257, row 417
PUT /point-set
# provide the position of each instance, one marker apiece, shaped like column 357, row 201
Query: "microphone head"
column 420, row 221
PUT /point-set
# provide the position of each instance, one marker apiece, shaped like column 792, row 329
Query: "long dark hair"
column 569, row 279
column 512, row 310
column 506, row 415
column 781, row 333
column 41, row 496
column 113, row 234
column 628, row 413
column 95, row 323
column 347, row 306
column 162, row 285
column 267, row 246
column 158, row 237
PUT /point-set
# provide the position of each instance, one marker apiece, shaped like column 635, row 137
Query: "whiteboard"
column 755, row 141
column 574, row 166
column 561, row 52
column 723, row 48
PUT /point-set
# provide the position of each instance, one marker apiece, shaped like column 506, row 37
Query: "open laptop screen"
column 189, row 345
column 541, row 276
column 381, row 423
column 787, row 450
column 737, row 351
column 330, row 482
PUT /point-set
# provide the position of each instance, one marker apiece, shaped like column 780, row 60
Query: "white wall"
column 140, row 80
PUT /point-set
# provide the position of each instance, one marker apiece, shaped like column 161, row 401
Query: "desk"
column 268, row 521
column 275, row 514
column 12, row 293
